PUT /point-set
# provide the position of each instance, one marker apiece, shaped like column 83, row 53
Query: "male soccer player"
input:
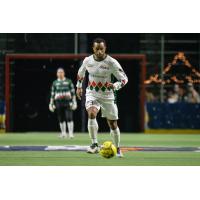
column 100, row 92
column 63, row 99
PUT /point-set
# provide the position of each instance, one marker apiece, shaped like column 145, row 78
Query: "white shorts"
column 108, row 107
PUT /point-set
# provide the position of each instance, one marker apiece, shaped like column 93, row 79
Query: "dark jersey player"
column 63, row 100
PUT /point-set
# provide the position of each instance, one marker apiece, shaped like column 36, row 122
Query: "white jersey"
column 100, row 75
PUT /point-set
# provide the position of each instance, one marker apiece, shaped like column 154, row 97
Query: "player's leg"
column 70, row 123
column 92, row 124
column 61, row 119
column 115, row 134
column 92, row 107
column 110, row 112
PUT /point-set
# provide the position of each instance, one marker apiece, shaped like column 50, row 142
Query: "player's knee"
column 92, row 113
column 69, row 118
column 113, row 124
column 61, row 119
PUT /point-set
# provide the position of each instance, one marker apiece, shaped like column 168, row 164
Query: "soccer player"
column 63, row 100
column 100, row 92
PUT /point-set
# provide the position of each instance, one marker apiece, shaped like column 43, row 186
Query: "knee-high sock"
column 63, row 127
column 115, row 134
column 93, row 129
column 70, row 126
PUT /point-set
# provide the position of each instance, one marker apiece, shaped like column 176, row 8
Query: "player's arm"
column 80, row 78
column 120, row 75
column 51, row 104
column 72, row 91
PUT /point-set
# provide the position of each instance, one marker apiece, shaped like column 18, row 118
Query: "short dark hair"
column 99, row 40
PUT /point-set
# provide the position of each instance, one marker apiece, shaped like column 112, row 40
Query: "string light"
column 181, row 57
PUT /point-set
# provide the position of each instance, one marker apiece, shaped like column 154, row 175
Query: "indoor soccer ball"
column 108, row 150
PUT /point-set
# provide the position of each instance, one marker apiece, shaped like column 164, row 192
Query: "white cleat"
column 61, row 135
column 119, row 153
column 93, row 149
column 71, row 136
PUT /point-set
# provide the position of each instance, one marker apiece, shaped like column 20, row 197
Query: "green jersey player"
column 100, row 92
column 63, row 100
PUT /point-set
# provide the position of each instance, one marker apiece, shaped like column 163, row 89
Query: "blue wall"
column 170, row 116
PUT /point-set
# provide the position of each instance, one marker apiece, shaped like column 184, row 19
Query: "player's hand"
column 74, row 106
column 110, row 85
column 116, row 86
column 52, row 107
column 79, row 92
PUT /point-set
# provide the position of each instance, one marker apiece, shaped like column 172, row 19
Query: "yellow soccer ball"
column 108, row 150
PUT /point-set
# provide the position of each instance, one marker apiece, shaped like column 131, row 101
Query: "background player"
column 100, row 92
column 63, row 99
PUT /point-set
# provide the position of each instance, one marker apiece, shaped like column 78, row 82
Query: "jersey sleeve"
column 119, row 74
column 53, row 90
column 81, row 73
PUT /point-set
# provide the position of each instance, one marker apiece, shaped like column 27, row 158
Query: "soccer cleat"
column 119, row 153
column 62, row 135
column 71, row 135
column 94, row 148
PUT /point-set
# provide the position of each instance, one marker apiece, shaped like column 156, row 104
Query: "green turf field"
column 59, row 158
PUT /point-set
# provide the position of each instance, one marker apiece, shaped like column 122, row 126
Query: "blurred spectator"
column 172, row 97
column 192, row 95
column 149, row 96
column 2, row 115
column 179, row 91
column 176, row 95
column 146, row 118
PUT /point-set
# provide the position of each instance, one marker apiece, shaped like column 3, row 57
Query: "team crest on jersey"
column 90, row 65
column 65, row 83
column 104, row 67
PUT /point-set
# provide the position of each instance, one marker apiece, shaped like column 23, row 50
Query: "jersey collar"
column 99, row 60
column 62, row 79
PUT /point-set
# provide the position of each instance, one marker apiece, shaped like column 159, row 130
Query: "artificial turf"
column 66, row 158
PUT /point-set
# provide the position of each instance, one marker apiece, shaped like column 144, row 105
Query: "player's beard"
column 100, row 56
